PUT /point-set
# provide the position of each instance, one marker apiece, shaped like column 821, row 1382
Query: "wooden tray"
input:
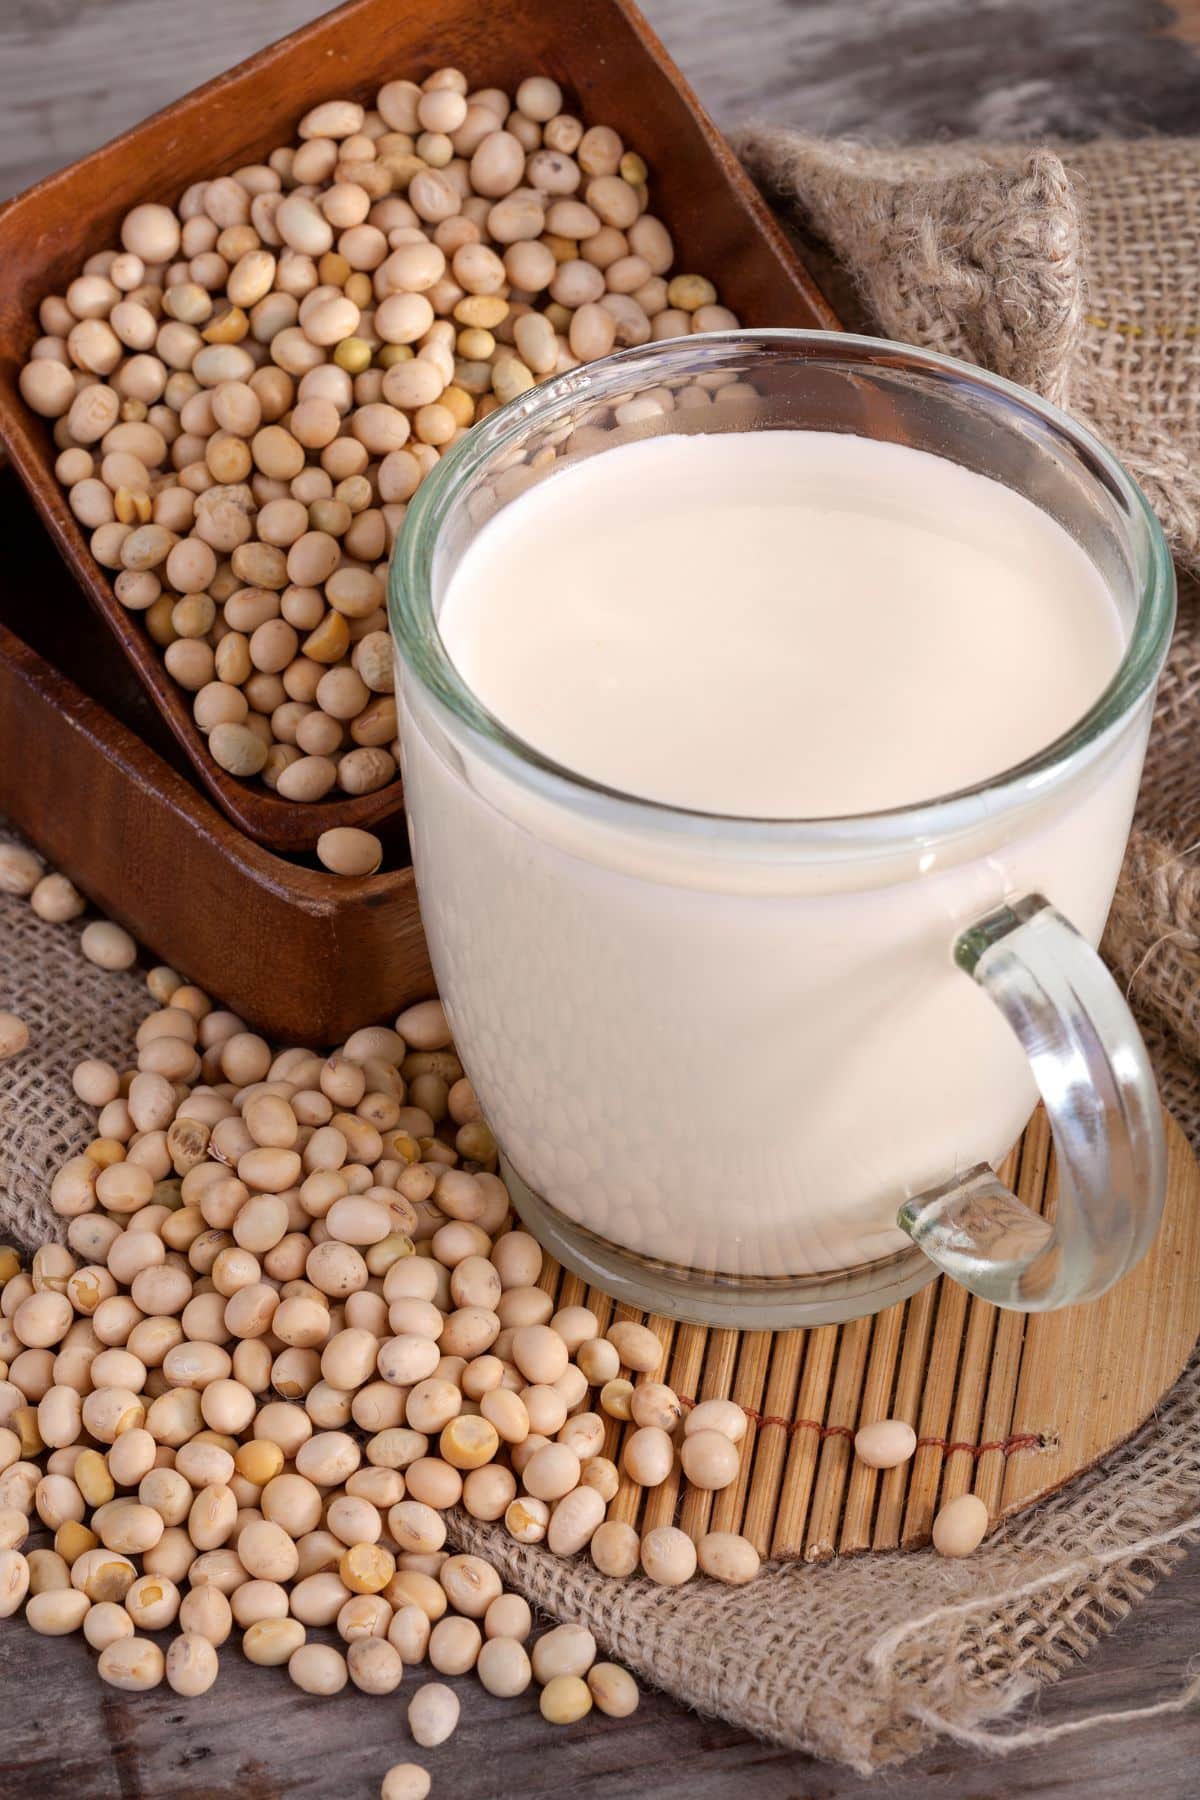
column 613, row 69
column 1007, row 1405
column 89, row 773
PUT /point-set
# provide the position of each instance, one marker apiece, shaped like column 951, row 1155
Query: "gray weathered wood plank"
column 72, row 74
column 254, row 1737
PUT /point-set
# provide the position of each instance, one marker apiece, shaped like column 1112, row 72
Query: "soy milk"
column 765, row 626
column 780, row 624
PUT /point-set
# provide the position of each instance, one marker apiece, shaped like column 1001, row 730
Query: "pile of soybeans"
column 293, row 1325
column 248, row 391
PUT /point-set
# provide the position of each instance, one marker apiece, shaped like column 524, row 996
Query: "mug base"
column 750, row 1303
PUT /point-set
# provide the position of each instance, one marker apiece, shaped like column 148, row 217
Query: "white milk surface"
column 717, row 1060
column 780, row 624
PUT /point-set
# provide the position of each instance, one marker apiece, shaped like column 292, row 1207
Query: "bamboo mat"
column 1005, row 1404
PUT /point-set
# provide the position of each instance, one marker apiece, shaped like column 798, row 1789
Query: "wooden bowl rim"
column 313, row 889
column 255, row 810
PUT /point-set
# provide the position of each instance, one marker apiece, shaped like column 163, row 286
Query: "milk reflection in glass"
column 771, row 625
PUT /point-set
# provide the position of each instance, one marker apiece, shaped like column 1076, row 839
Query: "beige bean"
column 43, row 1319
column 613, row 1689
column 539, row 1353
column 152, row 1602
column 106, row 945
column 724, row 1416
column 318, row 1669
column 432, row 1714
column 433, row 1482
column 960, row 1526
column 585, row 1433
column 649, row 1456
column 885, row 1444
column 470, row 1584
column 454, row 1645
column 574, row 1520
column 615, row 1548
column 488, row 1491
column 599, row 1360
column 14, row 1527
column 56, row 1612
column 105, row 1624
column 56, row 900
column 328, row 1458
column 133, row 1663
column 508, row 1616
column 267, row 1552
column 602, row 1474
column 546, row 1407
column 636, row 1345
column 212, row 1517
column 205, row 1612
column 551, row 1472
column 425, row 1027
column 653, row 1403
column 375, row 1665
column 508, row 1413
column 709, row 1459
column 668, row 1556
column 432, row 1404
column 191, row 1665
column 405, row 1781
column 273, row 1642
column 503, row 1667
column 564, row 1699
column 727, row 1557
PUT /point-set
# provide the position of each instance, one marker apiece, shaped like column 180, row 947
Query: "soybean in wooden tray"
column 349, row 77
column 305, row 956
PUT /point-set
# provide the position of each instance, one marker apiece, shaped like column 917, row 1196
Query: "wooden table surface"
column 74, row 72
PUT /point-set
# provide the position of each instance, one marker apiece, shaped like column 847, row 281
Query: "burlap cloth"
column 1077, row 279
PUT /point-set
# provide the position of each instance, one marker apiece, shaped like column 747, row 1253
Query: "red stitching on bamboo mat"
column 1025, row 1440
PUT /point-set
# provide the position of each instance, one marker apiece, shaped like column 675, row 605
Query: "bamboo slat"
column 1004, row 1404
column 875, row 1404
column 729, row 1505
column 792, row 1510
column 767, row 1439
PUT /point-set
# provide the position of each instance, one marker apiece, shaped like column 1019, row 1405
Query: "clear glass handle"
column 1095, row 1079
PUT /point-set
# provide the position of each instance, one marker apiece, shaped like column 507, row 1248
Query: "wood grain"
column 87, row 770
column 613, row 70
column 887, row 68
column 254, row 1737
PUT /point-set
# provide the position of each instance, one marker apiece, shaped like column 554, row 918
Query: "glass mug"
column 759, row 1073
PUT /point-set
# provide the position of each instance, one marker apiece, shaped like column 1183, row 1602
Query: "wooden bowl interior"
column 612, row 69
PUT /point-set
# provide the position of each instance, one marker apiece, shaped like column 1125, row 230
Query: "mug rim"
column 415, row 633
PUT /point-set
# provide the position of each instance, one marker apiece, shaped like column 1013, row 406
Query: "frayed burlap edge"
column 1073, row 274
column 957, row 253
column 866, row 1660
